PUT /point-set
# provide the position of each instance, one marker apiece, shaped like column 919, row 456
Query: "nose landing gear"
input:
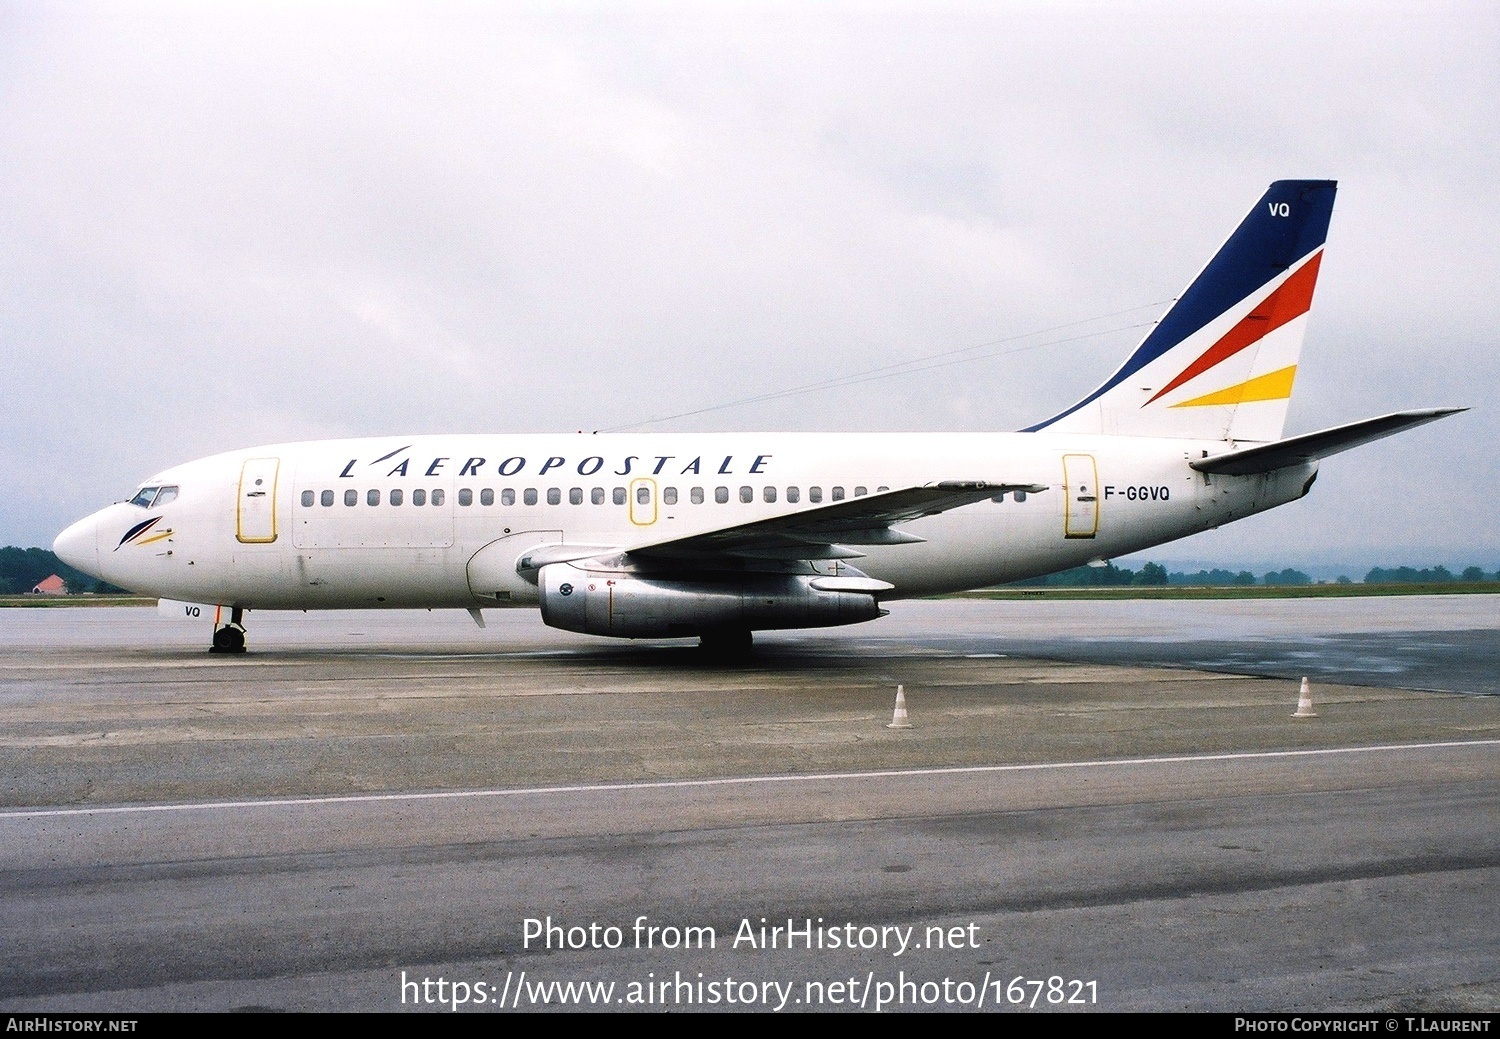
column 230, row 638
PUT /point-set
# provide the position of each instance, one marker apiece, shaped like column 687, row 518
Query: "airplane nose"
column 78, row 546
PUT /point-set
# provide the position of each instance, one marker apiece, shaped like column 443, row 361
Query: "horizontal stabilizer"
column 1309, row 447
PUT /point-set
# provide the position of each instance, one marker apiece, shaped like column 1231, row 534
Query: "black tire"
column 228, row 640
column 726, row 643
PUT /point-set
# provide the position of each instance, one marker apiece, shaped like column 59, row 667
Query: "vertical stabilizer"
column 1221, row 362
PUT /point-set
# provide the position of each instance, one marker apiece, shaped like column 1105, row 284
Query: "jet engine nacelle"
column 634, row 607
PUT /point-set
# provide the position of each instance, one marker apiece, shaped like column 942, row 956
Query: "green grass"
column 1306, row 591
column 44, row 601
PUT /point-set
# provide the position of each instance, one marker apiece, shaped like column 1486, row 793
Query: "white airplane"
column 717, row 535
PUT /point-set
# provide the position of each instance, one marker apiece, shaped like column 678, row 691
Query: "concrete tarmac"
column 370, row 798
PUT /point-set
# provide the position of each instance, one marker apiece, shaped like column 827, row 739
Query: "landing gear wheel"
column 726, row 643
column 228, row 639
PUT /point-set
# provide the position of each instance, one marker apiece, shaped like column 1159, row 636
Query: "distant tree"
column 1343, row 579
column 1409, row 575
column 1473, row 573
column 1106, row 576
column 1287, row 577
column 1244, row 578
column 22, row 569
column 1210, row 578
column 1152, row 574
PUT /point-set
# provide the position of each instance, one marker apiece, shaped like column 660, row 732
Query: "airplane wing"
column 1309, row 447
column 828, row 531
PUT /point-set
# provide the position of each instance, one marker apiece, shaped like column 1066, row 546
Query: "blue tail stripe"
column 1289, row 222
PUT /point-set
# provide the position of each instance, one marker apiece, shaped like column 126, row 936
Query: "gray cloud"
column 242, row 225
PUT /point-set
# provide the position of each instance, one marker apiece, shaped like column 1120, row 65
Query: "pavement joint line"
column 678, row 784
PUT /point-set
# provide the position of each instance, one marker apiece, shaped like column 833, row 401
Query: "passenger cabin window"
column 529, row 497
column 575, row 496
column 438, row 496
column 838, row 494
column 696, row 495
column 597, row 496
column 372, row 497
column 721, row 494
column 815, row 494
column 859, row 491
column 643, row 495
column 669, row 496
column 554, row 495
column 308, row 498
column 619, row 496
column 747, row 494
column 769, row 493
column 326, row 498
column 397, row 497
column 465, row 496
column 881, row 490
column 487, row 496
column 351, row 497
column 793, row 495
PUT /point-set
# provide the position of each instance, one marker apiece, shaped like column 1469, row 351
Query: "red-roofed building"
column 53, row 585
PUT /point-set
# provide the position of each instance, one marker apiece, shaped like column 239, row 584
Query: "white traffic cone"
column 899, row 719
column 1304, row 703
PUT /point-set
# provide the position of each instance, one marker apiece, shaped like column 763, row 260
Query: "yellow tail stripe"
column 1271, row 386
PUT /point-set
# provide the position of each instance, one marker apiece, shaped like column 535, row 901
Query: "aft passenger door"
column 1081, row 482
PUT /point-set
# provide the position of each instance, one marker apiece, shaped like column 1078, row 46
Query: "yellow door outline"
column 256, row 525
column 1081, row 507
column 638, row 509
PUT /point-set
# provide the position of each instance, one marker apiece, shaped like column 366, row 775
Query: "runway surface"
column 1398, row 642
column 367, row 799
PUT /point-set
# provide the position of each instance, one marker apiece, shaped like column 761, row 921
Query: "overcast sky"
column 233, row 224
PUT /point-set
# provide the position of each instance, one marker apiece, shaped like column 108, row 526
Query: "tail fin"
column 1220, row 363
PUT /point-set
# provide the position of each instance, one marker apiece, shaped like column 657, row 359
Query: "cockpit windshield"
column 149, row 497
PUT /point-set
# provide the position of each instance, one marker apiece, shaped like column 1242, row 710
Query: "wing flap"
column 826, row 531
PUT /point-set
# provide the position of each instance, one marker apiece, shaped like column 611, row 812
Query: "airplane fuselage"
column 443, row 521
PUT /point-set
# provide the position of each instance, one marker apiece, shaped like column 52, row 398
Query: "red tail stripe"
column 1291, row 300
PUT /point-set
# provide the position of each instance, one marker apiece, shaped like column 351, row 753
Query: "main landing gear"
column 230, row 638
column 726, row 643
